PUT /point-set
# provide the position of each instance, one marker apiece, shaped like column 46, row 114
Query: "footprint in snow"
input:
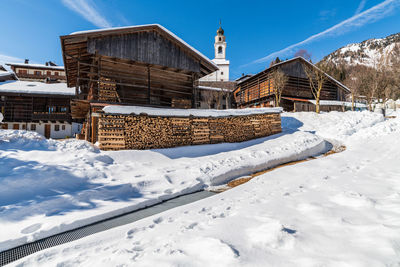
column 158, row 220
column 32, row 228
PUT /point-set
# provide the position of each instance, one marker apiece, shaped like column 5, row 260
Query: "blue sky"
column 256, row 31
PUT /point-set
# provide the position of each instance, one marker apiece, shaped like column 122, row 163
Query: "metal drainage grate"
column 17, row 253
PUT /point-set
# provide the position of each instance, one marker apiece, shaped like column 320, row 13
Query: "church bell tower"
column 220, row 44
column 221, row 75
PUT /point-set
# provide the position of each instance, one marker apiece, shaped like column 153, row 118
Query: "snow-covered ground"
column 49, row 186
column 341, row 210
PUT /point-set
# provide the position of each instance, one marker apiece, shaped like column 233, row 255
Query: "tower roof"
column 220, row 31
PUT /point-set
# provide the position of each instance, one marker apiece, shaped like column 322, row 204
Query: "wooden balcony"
column 55, row 116
column 43, row 76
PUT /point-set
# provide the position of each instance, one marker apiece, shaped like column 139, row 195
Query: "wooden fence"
column 117, row 132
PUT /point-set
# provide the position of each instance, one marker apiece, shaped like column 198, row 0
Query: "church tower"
column 221, row 75
column 220, row 44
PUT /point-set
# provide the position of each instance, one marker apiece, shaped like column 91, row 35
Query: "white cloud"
column 360, row 7
column 8, row 59
column 371, row 15
column 87, row 9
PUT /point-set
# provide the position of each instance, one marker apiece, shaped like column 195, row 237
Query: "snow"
column 42, row 66
column 340, row 210
column 36, row 88
column 188, row 112
column 4, row 73
column 338, row 103
column 150, row 25
column 212, row 88
column 49, row 186
column 364, row 54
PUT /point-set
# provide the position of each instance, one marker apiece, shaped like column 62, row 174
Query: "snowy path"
column 48, row 187
column 341, row 210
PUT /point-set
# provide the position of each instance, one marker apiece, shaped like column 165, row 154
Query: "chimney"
column 26, row 61
column 47, row 63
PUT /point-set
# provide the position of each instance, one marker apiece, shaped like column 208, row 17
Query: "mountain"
column 370, row 52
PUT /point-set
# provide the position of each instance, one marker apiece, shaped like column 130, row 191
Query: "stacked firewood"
column 108, row 90
column 111, row 132
column 146, row 132
column 181, row 103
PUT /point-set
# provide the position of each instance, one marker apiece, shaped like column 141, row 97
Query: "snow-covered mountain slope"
column 371, row 52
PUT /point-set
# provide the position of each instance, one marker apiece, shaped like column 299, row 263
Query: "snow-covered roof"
column 338, row 103
column 4, row 73
column 169, row 112
column 25, row 87
column 150, row 25
column 41, row 66
column 201, row 87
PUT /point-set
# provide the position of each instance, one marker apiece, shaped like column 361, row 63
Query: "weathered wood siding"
column 146, row 47
column 260, row 88
column 144, row 132
column 35, row 108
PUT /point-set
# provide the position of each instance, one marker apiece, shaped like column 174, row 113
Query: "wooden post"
column 149, row 85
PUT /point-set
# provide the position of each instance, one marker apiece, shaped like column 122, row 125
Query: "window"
column 52, row 109
column 22, row 71
column 49, row 73
column 220, row 39
column 4, row 126
column 33, row 127
column 56, row 73
column 222, row 73
column 63, row 109
column 56, row 127
column 220, row 50
column 63, row 127
column 37, row 73
column 23, row 126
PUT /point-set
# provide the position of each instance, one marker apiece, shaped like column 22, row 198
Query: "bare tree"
column 304, row 54
column 225, row 93
column 211, row 97
column 279, row 80
column 317, row 78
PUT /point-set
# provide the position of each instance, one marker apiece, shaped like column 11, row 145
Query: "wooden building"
column 258, row 90
column 36, row 106
column 49, row 71
column 143, row 65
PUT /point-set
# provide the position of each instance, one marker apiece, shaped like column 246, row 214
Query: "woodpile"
column 108, row 90
column 181, row 103
column 111, row 130
column 117, row 132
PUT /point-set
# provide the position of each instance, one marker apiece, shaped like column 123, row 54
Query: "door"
column 47, row 130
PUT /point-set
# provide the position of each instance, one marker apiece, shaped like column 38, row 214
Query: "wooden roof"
column 75, row 48
column 342, row 86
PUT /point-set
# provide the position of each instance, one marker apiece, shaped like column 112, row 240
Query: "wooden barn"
column 143, row 65
column 258, row 90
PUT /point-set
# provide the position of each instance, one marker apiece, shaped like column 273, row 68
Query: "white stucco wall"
column 69, row 131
